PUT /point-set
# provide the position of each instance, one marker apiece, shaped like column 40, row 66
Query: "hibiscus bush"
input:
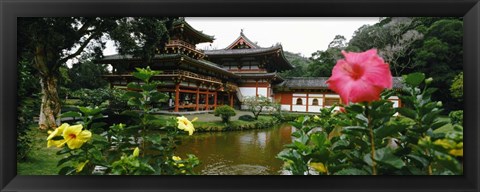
column 369, row 136
column 129, row 148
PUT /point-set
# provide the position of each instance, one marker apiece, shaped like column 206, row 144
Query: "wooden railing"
column 176, row 73
column 183, row 44
column 190, row 75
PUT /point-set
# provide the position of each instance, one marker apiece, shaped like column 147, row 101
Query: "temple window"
column 315, row 102
column 299, row 101
column 331, row 101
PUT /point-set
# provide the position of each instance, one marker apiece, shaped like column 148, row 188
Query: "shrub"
column 225, row 112
column 246, row 118
column 368, row 139
column 456, row 117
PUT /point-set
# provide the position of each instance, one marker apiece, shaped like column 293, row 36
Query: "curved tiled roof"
column 115, row 58
column 248, row 41
column 319, row 83
column 241, row 51
column 181, row 22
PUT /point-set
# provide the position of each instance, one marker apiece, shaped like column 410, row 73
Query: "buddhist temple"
column 200, row 80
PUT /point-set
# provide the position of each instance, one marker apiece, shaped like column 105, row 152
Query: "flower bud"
column 439, row 104
column 136, row 152
column 428, row 81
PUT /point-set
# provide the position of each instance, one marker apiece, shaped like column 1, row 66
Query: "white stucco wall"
column 251, row 91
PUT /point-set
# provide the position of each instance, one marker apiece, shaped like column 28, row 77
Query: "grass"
column 40, row 160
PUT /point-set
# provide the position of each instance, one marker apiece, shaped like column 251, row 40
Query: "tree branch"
column 79, row 50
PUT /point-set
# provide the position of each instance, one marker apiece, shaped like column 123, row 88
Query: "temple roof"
column 202, row 37
column 221, row 52
column 203, row 63
column 242, row 39
column 319, row 83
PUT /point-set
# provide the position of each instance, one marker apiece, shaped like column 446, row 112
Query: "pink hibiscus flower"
column 360, row 77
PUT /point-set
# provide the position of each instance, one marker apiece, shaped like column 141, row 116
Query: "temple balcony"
column 179, row 46
column 167, row 75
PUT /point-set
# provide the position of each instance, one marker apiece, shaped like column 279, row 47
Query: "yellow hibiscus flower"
column 80, row 166
column 75, row 137
column 318, row 167
column 56, row 143
column 185, row 124
column 176, row 158
column 58, row 131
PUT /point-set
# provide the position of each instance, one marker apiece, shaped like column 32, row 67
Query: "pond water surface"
column 251, row 152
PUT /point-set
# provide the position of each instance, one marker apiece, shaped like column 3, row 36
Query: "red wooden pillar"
column 177, row 96
column 291, row 102
column 197, row 98
column 323, row 103
column 215, row 100
column 256, row 88
column 206, row 100
column 231, row 99
column 306, row 110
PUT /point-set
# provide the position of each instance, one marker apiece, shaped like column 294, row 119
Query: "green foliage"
column 87, row 75
column 299, row 63
column 152, row 32
column 28, row 100
column 259, row 104
column 456, row 117
column 457, row 87
column 246, row 118
column 128, row 149
column 92, row 97
column 225, row 112
column 368, row 139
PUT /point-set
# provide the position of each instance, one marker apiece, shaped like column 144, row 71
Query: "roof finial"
column 241, row 32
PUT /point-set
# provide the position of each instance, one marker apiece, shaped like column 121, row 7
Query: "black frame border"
column 10, row 10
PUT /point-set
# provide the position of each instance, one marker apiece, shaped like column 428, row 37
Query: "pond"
column 251, row 152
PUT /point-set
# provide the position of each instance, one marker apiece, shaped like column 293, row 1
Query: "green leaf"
column 64, row 160
column 385, row 155
column 88, row 111
column 319, row 139
column 67, row 170
column 414, row 79
column 340, row 144
column 407, row 112
column 351, row 171
column 142, row 76
column 149, row 87
column 97, row 125
column 63, row 151
column 362, row 118
column 73, row 114
column 355, row 108
column 392, row 127
column 134, row 85
column 356, row 129
column 419, row 159
column 134, row 94
column 439, row 123
column 134, row 102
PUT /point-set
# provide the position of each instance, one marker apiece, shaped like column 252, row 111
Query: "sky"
column 304, row 35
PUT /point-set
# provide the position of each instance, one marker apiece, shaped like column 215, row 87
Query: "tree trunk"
column 50, row 107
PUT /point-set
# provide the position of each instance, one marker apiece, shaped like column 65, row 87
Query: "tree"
column 457, row 87
column 257, row 105
column 51, row 42
column 87, row 74
column 300, row 64
column 441, row 56
column 225, row 112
